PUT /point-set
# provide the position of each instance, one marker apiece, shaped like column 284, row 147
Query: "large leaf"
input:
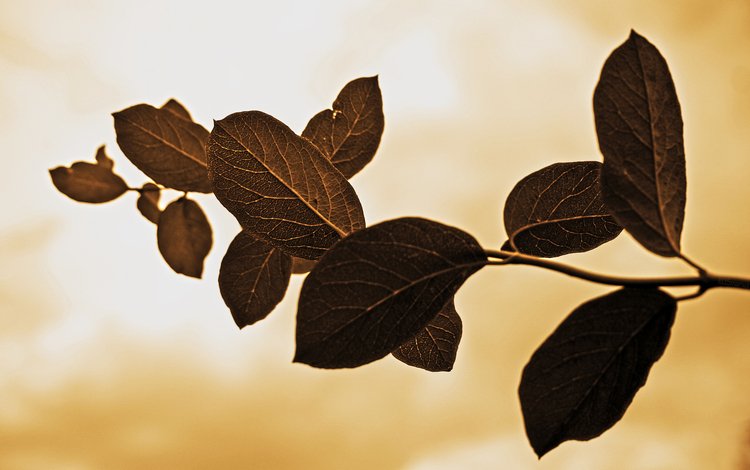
column 349, row 134
column 639, row 126
column 434, row 348
column 279, row 186
column 584, row 376
column 184, row 237
column 559, row 210
column 253, row 278
column 89, row 182
column 165, row 146
column 379, row 287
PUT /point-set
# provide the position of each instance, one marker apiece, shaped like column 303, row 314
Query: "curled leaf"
column 165, row 146
column 184, row 237
column 584, row 376
column 559, row 210
column 102, row 159
column 349, row 134
column 279, row 186
column 434, row 347
column 378, row 288
column 639, row 126
column 148, row 202
column 253, row 278
column 89, row 182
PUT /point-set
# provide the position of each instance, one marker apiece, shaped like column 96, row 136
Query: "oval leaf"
column 639, row 126
column 435, row 347
column 165, row 146
column 253, row 278
column 177, row 108
column 584, row 376
column 279, row 186
column 148, row 202
column 379, row 287
column 184, row 236
column 559, row 210
column 349, row 134
column 88, row 182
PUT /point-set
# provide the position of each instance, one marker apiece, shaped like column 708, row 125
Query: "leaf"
column 559, row 210
column 184, row 236
column 177, row 108
column 379, row 287
column 279, row 186
column 89, row 182
column 165, row 146
column 302, row 265
column 148, row 202
column 639, row 126
column 253, row 278
column 434, row 347
column 584, row 376
column 349, row 134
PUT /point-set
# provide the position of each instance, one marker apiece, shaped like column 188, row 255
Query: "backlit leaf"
column 165, row 146
column 639, row 126
column 302, row 265
column 379, row 287
column 89, row 182
column 148, row 202
column 584, row 376
column 434, row 347
column 559, row 210
column 253, row 278
column 349, row 134
column 279, row 186
column 177, row 108
column 184, row 237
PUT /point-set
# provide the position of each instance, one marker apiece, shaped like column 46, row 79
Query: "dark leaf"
column 639, row 126
column 507, row 246
column 177, row 108
column 148, row 202
column 349, row 134
column 184, row 237
column 253, row 278
column 302, row 265
column 279, row 186
column 165, row 146
column 89, row 182
column 379, row 287
column 559, row 210
column 434, row 348
column 584, row 376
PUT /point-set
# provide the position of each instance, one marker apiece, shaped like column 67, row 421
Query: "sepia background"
column 110, row 360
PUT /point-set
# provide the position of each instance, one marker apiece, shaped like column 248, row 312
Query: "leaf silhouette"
column 253, row 278
column 165, row 146
column 279, row 186
column 379, row 287
column 177, row 108
column 639, row 126
column 559, row 210
column 584, row 376
column 184, row 237
column 434, row 347
column 349, row 134
column 89, row 182
column 302, row 265
column 148, row 202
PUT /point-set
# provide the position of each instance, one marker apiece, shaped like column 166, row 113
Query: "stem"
column 704, row 281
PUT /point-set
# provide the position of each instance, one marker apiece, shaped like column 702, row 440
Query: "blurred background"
column 110, row 360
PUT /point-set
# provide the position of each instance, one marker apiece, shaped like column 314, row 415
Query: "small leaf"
column 559, row 210
column 302, row 265
column 177, row 108
column 379, row 287
column 279, row 186
column 165, row 146
column 184, row 237
column 639, row 126
column 434, row 348
column 148, row 202
column 253, row 278
column 584, row 376
column 349, row 134
column 89, row 182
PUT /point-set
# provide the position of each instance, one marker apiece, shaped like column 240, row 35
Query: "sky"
column 108, row 359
